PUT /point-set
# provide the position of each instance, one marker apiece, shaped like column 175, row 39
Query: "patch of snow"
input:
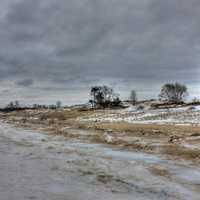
column 108, row 138
column 179, row 116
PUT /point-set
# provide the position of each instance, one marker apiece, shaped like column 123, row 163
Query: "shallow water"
column 39, row 166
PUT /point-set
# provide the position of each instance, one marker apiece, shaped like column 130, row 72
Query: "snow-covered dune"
column 180, row 115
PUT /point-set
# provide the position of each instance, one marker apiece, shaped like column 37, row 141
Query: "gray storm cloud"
column 25, row 82
column 69, row 45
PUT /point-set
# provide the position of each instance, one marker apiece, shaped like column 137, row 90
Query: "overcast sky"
column 57, row 49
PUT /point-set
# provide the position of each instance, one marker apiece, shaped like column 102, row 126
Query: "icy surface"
column 38, row 166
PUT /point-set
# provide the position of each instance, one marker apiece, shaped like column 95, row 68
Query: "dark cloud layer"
column 25, row 82
column 72, row 44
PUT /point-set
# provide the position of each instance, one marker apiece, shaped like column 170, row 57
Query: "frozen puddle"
column 39, row 166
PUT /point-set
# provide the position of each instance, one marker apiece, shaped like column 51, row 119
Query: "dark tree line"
column 15, row 105
column 105, row 97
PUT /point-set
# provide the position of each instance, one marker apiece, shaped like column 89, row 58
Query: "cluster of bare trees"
column 52, row 106
column 14, row 104
column 104, row 96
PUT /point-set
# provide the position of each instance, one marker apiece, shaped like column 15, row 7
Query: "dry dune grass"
column 42, row 116
column 183, row 152
column 64, row 115
column 158, row 171
column 144, row 129
column 53, row 116
column 166, row 137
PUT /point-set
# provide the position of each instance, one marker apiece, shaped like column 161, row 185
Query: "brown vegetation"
column 156, row 170
column 183, row 152
column 165, row 139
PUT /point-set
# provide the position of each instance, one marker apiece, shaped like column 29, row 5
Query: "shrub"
column 173, row 92
column 104, row 96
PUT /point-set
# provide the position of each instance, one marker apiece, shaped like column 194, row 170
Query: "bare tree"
column 91, row 101
column 35, row 106
column 11, row 105
column 94, row 92
column 58, row 104
column 173, row 92
column 16, row 104
column 133, row 97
